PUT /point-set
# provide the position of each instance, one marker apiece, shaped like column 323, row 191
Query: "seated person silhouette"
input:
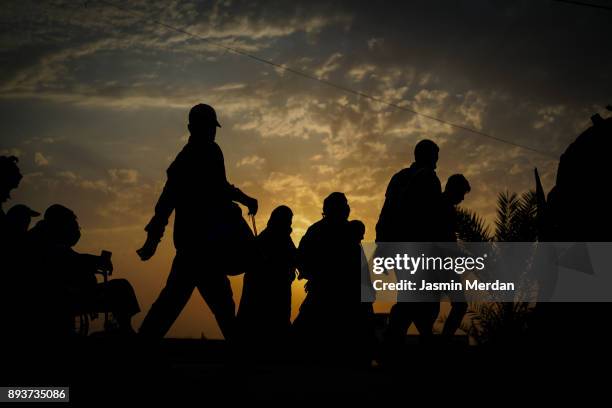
column 329, row 258
column 69, row 285
column 265, row 305
column 18, row 219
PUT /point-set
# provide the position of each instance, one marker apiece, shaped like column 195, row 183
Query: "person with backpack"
column 208, row 229
column 409, row 214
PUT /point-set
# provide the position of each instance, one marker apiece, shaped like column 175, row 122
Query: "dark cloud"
column 94, row 100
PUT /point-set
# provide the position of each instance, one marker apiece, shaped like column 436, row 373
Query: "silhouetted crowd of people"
column 45, row 273
column 46, row 277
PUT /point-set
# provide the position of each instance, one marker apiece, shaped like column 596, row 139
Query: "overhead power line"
column 585, row 4
column 312, row 77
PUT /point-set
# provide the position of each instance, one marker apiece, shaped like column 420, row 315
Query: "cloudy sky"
column 94, row 101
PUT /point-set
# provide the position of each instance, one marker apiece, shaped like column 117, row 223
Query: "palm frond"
column 507, row 208
column 471, row 227
column 499, row 323
column 516, row 217
column 527, row 221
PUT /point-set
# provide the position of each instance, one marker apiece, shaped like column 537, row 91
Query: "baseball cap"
column 202, row 113
column 21, row 209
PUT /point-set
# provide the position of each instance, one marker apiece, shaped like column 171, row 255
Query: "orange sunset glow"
column 94, row 103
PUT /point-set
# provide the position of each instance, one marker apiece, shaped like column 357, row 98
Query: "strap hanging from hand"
column 254, row 225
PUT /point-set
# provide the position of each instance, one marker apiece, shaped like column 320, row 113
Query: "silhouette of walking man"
column 409, row 215
column 329, row 258
column 206, row 220
column 457, row 186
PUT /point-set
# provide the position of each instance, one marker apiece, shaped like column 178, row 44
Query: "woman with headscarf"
column 265, row 306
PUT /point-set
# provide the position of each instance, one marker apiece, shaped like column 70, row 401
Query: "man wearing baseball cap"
column 19, row 218
column 198, row 192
